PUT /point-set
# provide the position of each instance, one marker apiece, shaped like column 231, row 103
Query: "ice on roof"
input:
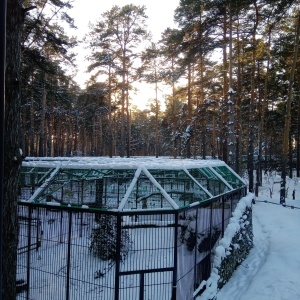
column 119, row 163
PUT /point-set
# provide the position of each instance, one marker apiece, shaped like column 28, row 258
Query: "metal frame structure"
column 172, row 242
column 126, row 184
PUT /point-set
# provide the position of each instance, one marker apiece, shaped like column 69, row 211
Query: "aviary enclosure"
column 121, row 228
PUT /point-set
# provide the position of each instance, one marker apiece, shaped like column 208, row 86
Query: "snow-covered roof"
column 119, row 163
column 137, row 183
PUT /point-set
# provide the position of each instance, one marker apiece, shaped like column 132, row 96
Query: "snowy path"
column 272, row 269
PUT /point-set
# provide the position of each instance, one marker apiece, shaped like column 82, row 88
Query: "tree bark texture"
column 286, row 132
column 12, row 153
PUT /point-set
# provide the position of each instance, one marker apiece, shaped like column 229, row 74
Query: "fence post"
column 196, row 247
column 118, row 257
column 69, row 256
column 38, row 225
column 61, row 227
column 210, row 226
column 174, row 288
column 142, row 283
column 28, row 252
column 223, row 215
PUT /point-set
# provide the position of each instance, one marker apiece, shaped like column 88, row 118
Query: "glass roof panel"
column 145, row 195
column 115, row 185
column 179, row 186
column 30, row 176
column 229, row 176
column 209, row 181
column 125, row 184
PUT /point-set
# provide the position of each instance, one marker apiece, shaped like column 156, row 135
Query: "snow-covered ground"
column 272, row 269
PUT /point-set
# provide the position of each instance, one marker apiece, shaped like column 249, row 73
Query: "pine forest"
column 231, row 69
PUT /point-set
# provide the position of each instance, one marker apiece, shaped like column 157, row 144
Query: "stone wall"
column 239, row 248
column 231, row 251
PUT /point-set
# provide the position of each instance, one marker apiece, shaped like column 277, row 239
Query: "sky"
column 160, row 16
column 272, row 269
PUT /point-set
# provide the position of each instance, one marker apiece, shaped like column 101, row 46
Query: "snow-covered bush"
column 191, row 239
column 104, row 239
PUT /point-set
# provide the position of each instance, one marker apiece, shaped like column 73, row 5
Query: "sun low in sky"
column 160, row 16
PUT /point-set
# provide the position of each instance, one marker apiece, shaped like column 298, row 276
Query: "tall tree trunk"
column 251, row 110
column 128, row 121
column 110, row 129
column 49, row 136
column 265, row 97
column 238, row 104
column 259, row 135
column 290, row 156
column 189, row 96
column 174, row 119
column 231, row 104
column 201, row 94
column 12, row 152
column 224, row 146
column 287, row 124
column 93, row 140
column 298, row 140
column 43, row 123
column 101, row 149
column 156, row 117
column 2, row 105
column 32, row 133
column 122, row 143
column 203, row 112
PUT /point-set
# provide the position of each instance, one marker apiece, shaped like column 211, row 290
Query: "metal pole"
column 118, row 256
column 28, row 251
column 196, row 248
column 175, row 270
column 69, row 256
column 2, row 109
column 223, row 215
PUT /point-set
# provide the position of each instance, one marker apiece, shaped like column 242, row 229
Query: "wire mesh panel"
column 25, row 192
column 43, row 269
column 199, row 230
column 226, row 209
column 64, row 265
column 30, row 228
column 152, row 242
column 130, row 287
column 187, row 247
column 147, row 269
column 92, row 260
column 158, row 285
column 82, row 253
column 146, row 285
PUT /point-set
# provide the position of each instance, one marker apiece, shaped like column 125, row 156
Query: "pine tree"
column 12, row 152
column 104, row 239
column 113, row 42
